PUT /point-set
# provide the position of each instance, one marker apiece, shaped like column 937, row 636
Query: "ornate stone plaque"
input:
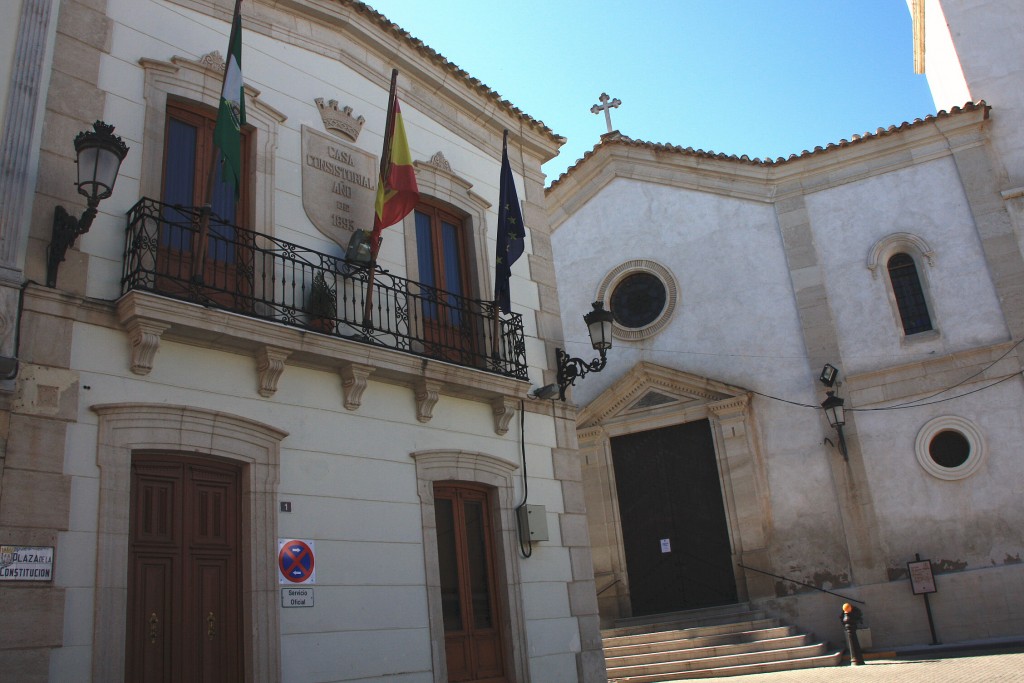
column 339, row 185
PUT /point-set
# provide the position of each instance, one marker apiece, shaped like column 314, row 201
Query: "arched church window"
column 910, row 300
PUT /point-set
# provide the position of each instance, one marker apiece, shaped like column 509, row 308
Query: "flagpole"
column 385, row 166
column 495, row 355
column 199, row 250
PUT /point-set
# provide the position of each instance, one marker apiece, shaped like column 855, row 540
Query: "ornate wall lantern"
column 100, row 154
column 599, row 326
column 833, row 407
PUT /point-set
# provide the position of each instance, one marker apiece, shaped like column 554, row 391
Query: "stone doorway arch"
column 651, row 397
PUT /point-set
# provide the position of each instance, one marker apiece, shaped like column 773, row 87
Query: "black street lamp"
column 100, row 154
column 833, row 407
column 599, row 326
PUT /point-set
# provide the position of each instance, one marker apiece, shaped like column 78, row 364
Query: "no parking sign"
column 295, row 561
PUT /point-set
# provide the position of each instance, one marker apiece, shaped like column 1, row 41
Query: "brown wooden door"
column 465, row 548
column 184, row 578
column 674, row 529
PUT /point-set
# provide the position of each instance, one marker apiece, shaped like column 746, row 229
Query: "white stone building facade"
column 132, row 390
column 761, row 273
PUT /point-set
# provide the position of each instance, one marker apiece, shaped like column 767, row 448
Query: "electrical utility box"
column 533, row 523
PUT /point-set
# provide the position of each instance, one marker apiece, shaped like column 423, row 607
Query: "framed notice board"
column 922, row 581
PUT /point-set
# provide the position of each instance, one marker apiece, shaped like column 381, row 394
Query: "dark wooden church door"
column 184, row 575
column 678, row 554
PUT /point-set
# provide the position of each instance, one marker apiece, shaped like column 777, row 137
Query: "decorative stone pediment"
column 653, row 390
column 213, row 60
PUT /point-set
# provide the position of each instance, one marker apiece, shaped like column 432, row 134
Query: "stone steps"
column 721, row 641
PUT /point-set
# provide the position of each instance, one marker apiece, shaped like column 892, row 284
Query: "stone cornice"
column 876, row 387
column 150, row 319
column 764, row 181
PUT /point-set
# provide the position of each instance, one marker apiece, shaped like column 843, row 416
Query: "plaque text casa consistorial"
column 339, row 185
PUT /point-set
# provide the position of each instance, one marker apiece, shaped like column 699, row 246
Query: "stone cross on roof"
column 606, row 107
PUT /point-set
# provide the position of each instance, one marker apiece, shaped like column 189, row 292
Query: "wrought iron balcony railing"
column 260, row 276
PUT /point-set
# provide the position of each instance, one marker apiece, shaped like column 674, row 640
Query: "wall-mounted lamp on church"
column 833, row 407
column 599, row 326
column 100, row 154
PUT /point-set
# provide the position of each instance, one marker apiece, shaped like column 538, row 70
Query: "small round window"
column 641, row 296
column 638, row 299
column 950, row 448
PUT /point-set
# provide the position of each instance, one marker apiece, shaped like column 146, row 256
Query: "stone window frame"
column 127, row 428
column 620, row 273
column 200, row 82
column 439, row 186
column 435, row 466
column 922, row 254
column 951, row 423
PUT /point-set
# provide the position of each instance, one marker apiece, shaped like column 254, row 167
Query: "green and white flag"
column 227, row 134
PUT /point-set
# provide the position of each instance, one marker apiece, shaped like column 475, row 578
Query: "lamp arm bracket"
column 571, row 369
column 66, row 229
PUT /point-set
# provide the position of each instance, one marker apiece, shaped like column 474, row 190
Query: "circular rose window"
column 950, row 448
column 641, row 296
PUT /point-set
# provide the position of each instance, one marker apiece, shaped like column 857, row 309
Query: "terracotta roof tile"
column 616, row 138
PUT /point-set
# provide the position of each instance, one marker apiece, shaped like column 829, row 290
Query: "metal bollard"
column 851, row 619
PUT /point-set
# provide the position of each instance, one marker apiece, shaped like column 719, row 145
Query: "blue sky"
column 757, row 77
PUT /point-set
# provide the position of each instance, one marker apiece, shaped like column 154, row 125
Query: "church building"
column 883, row 274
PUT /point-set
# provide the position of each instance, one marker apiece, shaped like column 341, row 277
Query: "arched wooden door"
column 472, row 616
column 184, row 575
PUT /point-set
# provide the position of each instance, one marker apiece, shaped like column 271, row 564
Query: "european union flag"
column 511, row 234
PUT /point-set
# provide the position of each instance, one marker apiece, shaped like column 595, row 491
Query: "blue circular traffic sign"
column 296, row 561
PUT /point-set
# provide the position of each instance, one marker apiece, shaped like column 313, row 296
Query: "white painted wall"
column 926, row 200
column 988, row 36
column 735, row 322
column 942, row 66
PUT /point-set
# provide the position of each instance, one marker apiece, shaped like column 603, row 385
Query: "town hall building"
column 233, row 451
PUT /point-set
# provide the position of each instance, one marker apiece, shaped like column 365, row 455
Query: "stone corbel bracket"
column 427, row 392
column 145, row 340
column 269, row 366
column 353, row 383
column 503, row 408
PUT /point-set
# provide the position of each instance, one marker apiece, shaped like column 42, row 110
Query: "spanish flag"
column 397, row 193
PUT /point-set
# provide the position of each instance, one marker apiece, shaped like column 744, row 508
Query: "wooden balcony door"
column 444, row 278
column 184, row 577
column 472, row 618
column 183, row 261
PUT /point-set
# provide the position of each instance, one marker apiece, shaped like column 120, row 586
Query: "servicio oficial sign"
column 26, row 563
